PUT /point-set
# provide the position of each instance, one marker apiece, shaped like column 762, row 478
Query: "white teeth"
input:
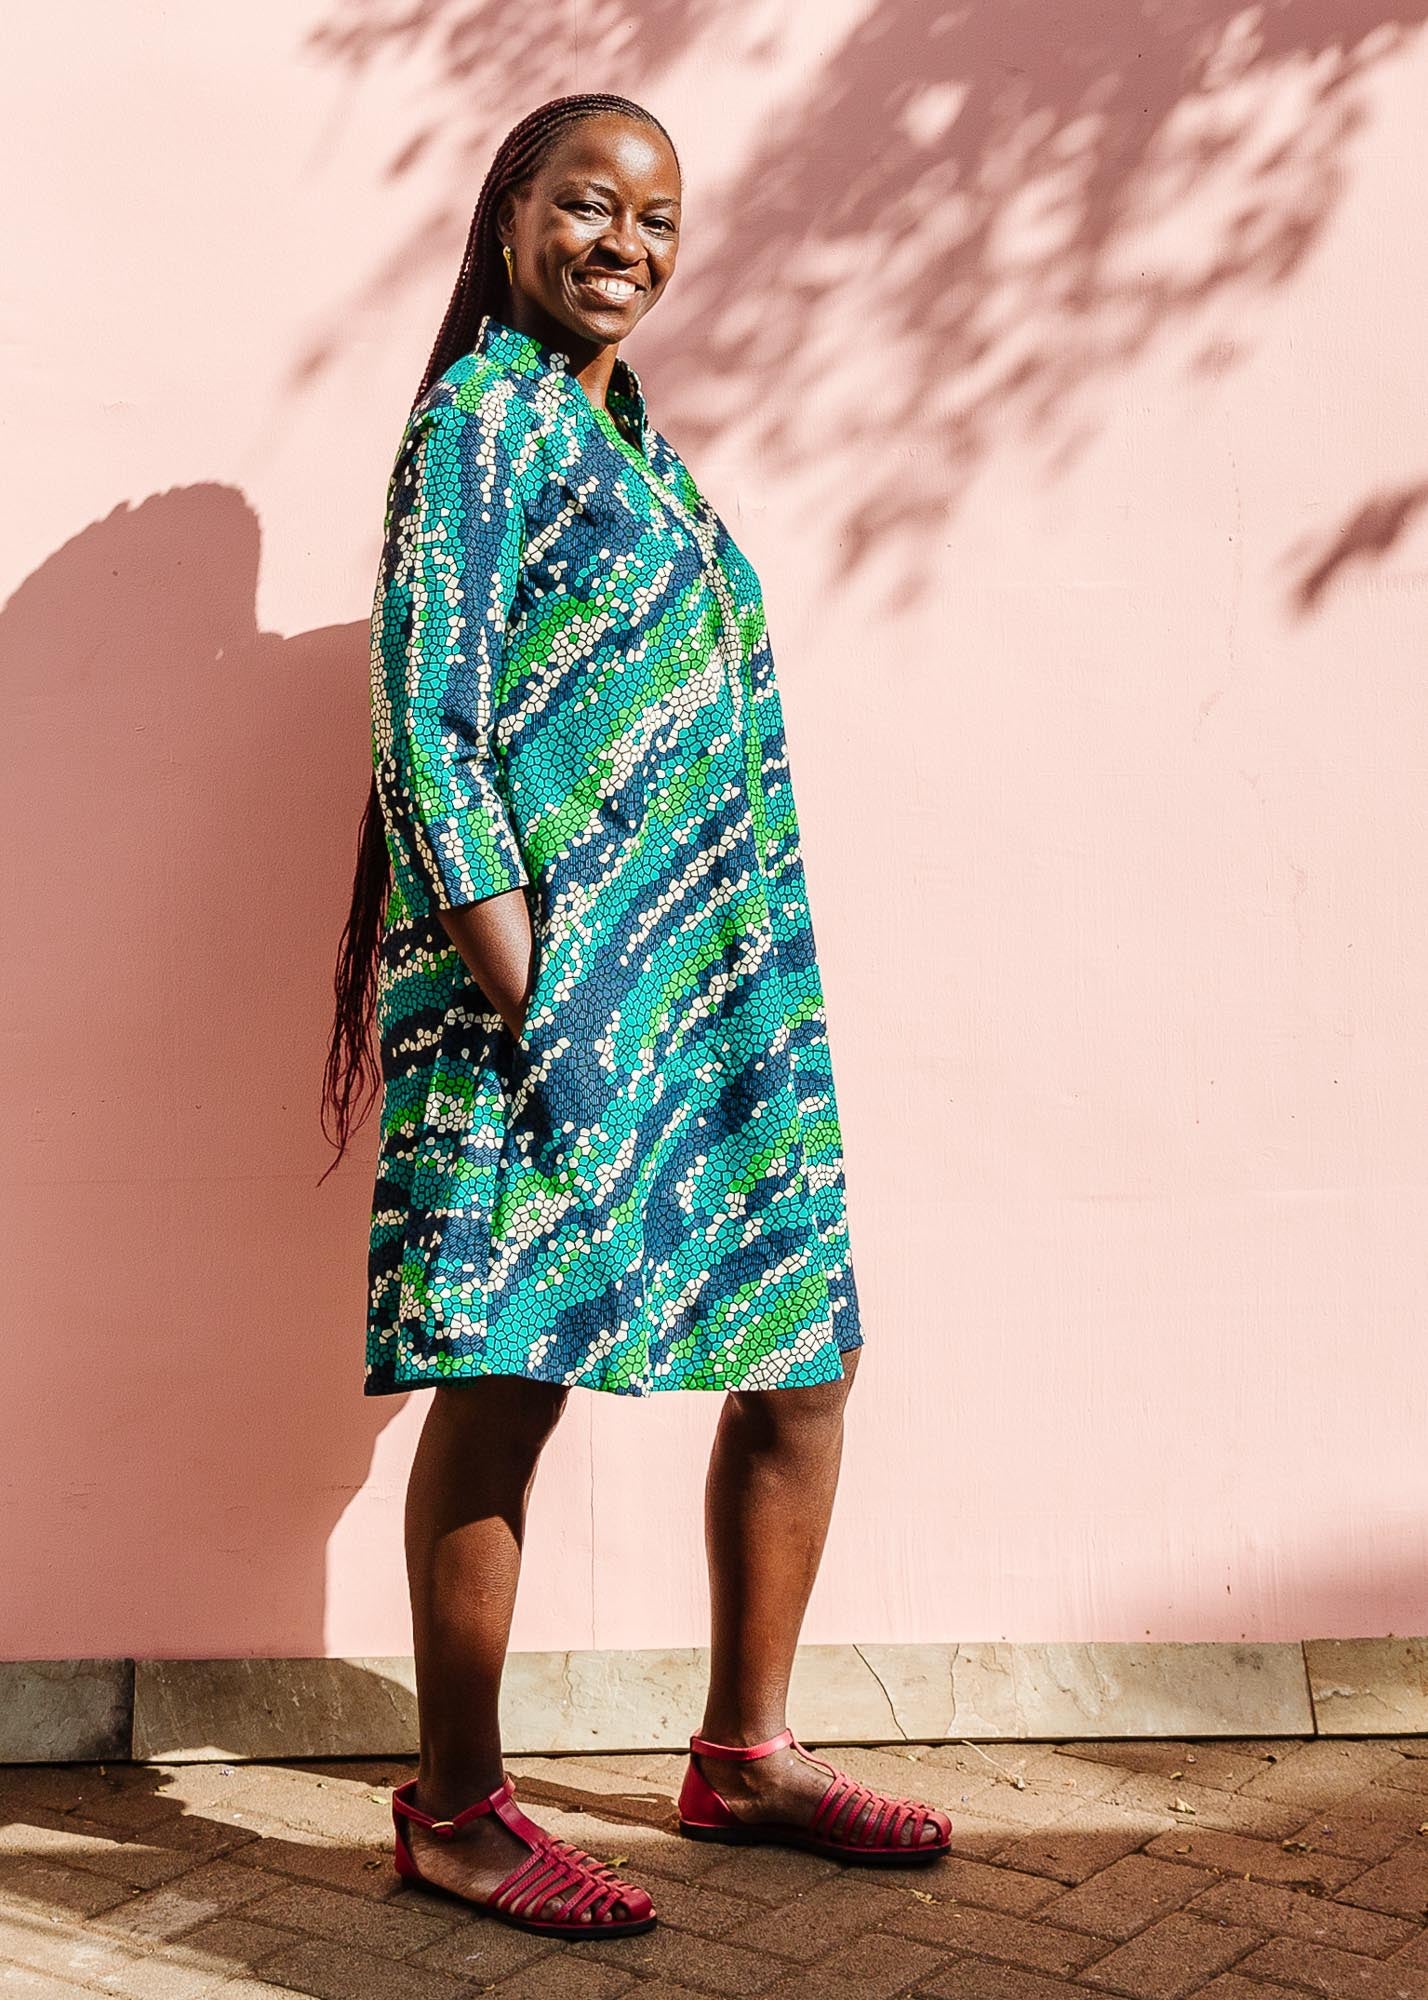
column 614, row 288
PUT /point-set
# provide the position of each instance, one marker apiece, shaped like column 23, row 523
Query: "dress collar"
column 528, row 354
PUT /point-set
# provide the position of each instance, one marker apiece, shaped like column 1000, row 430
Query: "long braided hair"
column 352, row 1075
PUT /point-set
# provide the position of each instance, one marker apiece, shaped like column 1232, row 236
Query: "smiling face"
column 594, row 233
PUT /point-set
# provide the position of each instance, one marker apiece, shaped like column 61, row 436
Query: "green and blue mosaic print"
column 573, row 693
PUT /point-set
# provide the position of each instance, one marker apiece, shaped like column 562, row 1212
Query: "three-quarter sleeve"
column 455, row 533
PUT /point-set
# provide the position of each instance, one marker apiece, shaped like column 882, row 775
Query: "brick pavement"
column 1266, row 1870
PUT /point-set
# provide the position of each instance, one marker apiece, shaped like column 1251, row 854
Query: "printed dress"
column 573, row 694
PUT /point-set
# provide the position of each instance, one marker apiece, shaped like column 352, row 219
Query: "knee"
column 519, row 1413
column 772, row 1417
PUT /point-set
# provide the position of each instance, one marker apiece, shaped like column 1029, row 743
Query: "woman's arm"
column 455, row 536
column 495, row 942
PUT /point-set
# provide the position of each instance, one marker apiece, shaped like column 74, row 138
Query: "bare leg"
column 470, row 1481
column 465, row 1524
column 773, row 1473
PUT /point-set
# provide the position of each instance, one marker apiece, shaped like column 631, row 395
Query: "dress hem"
column 389, row 1386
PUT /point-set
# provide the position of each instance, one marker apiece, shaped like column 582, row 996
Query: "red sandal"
column 872, row 1822
column 554, row 1870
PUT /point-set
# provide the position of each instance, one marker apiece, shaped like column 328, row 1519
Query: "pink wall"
column 1067, row 390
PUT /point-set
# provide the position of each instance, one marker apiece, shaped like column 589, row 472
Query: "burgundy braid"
column 352, row 1074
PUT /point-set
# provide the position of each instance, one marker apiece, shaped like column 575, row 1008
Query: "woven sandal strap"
column 884, row 1828
column 830, row 1806
column 533, row 1878
column 867, row 1818
column 550, row 1875
column 530, row 1831
column 539, row 1879
column 740, row 1753
column 595, row 1895
column 447, row 1829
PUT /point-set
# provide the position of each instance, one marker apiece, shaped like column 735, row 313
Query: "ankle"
column 740, row 1736
column 444, row 1793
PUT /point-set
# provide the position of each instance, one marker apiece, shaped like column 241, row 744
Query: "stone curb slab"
column 1368, row 1687
column 177, row 1711
column 65, row 1711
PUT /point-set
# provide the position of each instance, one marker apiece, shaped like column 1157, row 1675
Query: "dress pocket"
column 458, row 1145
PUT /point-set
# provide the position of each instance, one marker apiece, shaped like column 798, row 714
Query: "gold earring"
column 510, row 264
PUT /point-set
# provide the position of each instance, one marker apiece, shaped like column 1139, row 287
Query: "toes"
column 625, row 1910
column 933, row 1831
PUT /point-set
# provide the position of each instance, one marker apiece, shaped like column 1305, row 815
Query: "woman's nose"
column 622, row 239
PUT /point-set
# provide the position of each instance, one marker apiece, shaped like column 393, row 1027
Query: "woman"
column 610, row 1155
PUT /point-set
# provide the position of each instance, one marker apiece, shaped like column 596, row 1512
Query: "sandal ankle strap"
column 740, row 1753
column 447, row 1829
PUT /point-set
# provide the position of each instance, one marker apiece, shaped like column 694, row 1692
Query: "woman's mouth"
column 608, row 288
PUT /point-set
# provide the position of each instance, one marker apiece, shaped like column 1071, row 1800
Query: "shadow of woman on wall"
column 186, row 1423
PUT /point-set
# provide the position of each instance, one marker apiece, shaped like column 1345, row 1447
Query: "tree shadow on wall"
column 1367, row 536
column 960, row 225
column 185, row 791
